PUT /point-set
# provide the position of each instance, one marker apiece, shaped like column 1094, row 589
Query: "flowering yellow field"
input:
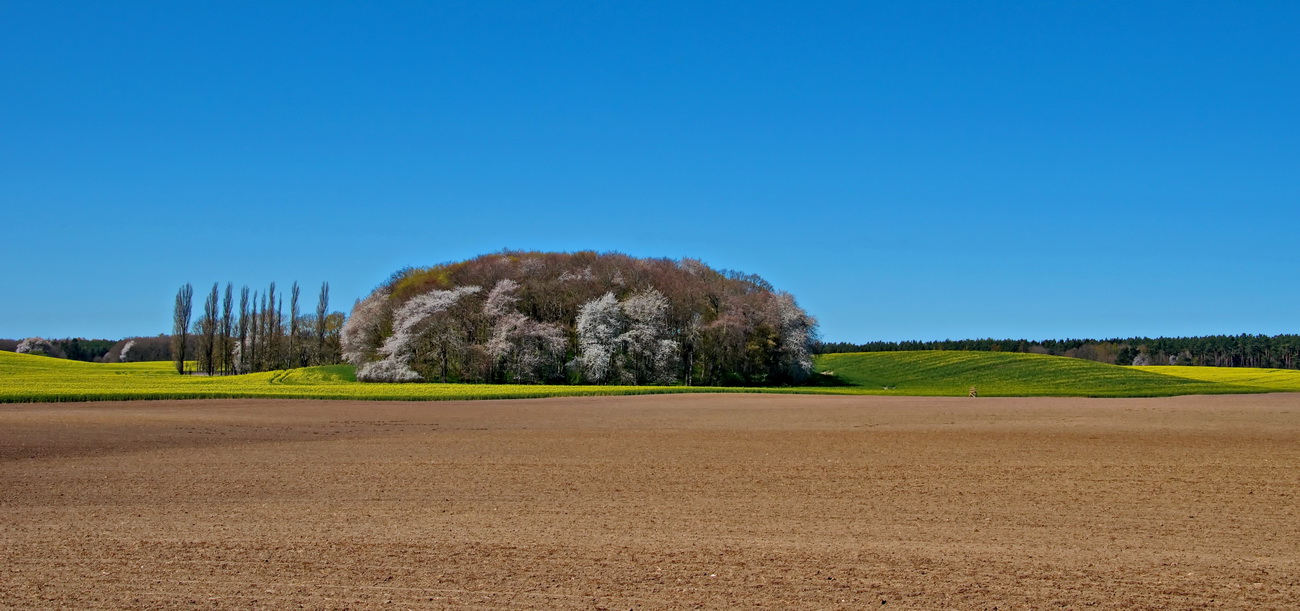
column 34, row 378
column 1274, row 380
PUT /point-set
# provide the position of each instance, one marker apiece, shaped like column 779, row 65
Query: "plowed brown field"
column 677, row 501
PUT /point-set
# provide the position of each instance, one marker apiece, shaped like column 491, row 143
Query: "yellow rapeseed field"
column 36, row 378
column 26, row 378
column 1273, row 380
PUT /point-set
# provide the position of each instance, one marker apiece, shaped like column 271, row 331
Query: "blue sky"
column 909, row 170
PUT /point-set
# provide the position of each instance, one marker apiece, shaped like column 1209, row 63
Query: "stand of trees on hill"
column 1277, row 351
column 137, row 349
column 583, row 317
column 257, row 336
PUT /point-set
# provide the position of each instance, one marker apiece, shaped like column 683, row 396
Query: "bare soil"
column 677, row 501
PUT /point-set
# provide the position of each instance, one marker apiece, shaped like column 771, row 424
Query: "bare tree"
column 295, row 346
column 227, row 327
column 270, row 325
column 281, row 351
column 207, row 330
column 255, row 334
column 243, row 329
column 322, row 311
column 181, row 324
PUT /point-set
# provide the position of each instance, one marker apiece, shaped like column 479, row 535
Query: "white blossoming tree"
column 125, row 355
column 627, row 342
column 38, row 346
column 363, row 330
column 420, row 330
column 600, row 323
column 650, row 355
column 526, row 350
column 796, row 335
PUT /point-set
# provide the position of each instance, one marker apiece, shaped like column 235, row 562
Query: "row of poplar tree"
column 257, row 336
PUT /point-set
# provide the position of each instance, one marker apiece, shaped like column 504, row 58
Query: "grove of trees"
column 73, row 348
column 136, row 349
column 1277, row 351
column 579, row 317
column 256, row 335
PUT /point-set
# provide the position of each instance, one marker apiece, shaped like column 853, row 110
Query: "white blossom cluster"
column 409, row 322
column 126, row 351
column 361, row 331
column 628, row 338
column 387, row 370
column 501, row 299
column 414, row 315
column 35, row 345
column 796, row 331
column 585, row 274
column 237, row 356
column 526, row 347
column 600, row 323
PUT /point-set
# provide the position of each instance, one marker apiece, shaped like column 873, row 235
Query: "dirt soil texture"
column 653, row 502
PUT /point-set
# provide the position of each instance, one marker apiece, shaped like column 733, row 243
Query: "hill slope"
column 949, row 373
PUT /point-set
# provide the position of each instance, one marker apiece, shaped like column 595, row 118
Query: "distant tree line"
column 255, row 335
column 608, row 318
column 1276, row 351
column 73, row 348
column 128, row 350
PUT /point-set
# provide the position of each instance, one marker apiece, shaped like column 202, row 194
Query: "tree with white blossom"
column 125, row 354
column 364, row 329
column 650, row 355
column 796, row 336
column 525, row 350
column 420, row 328
column 600, row 323
column 38, row 346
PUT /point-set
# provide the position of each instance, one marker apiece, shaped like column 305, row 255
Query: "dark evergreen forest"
column 1277, row 351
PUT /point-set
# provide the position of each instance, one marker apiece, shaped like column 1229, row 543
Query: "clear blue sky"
column 909, row 170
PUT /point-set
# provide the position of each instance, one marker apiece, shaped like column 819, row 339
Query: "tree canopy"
column 584, row 317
